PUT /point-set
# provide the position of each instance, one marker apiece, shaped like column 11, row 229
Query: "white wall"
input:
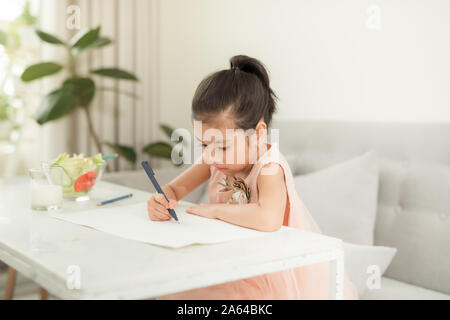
column 324, row 62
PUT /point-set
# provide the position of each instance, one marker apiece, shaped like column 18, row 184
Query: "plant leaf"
column 166, row 129
column 84, row 89
column 127, row 152
column 159, row 149
column 40, row 70
column 84, row 38
column 100, row 42
column 47, row 37
column 115, row 73
column 56, row 104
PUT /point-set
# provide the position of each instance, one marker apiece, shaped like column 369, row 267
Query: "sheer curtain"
column 58, row 136
column 44, row 142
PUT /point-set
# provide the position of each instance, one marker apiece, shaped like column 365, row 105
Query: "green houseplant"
column 158, row 149
column 162, row 149
column 76, row 91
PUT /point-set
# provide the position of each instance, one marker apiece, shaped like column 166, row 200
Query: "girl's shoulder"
column 273, row 155
column 270, row 162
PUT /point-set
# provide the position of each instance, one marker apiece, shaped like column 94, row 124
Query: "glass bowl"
column 78, row 180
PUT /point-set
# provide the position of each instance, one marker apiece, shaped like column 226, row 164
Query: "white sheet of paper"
column 131, row 222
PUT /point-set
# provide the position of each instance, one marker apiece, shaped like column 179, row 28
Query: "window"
column 18, row 47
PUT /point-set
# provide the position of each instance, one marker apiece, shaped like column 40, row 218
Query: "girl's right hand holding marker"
column 157, row 207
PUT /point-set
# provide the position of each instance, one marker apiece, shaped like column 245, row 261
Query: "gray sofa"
column 413, row 213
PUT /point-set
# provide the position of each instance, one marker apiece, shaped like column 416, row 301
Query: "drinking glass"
column 46, row 188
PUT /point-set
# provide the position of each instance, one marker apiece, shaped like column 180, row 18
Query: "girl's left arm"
column 266, row 215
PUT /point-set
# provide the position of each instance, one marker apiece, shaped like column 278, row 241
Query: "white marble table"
column 52, row 252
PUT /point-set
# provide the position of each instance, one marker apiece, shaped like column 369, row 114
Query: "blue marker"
column 115, row 199
column 151, row 175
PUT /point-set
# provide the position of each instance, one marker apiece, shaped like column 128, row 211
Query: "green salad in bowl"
column 80, row 174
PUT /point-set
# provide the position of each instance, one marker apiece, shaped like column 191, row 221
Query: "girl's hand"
column 157, row 207
column 206, row 210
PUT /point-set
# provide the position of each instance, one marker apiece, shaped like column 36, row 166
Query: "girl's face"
column 229, row 149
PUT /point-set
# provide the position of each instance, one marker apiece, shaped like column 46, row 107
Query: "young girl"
column 241, row 98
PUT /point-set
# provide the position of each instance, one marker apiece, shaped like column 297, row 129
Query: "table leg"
column 337, row 275
column 9, row 289
column 44, row 294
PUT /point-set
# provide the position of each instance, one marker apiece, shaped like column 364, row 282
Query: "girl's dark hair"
column 244, row 88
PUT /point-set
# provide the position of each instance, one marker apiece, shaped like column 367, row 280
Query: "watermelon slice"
column 85, row 181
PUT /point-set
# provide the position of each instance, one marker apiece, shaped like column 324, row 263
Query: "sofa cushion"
column 392, row 289
column 360, row 259
column 413, row 199
column 343, row 198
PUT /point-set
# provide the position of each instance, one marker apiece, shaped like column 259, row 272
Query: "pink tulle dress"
column 309, row 282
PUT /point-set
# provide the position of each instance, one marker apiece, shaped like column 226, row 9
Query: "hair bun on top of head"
column 250, row 65
column 243, row 90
